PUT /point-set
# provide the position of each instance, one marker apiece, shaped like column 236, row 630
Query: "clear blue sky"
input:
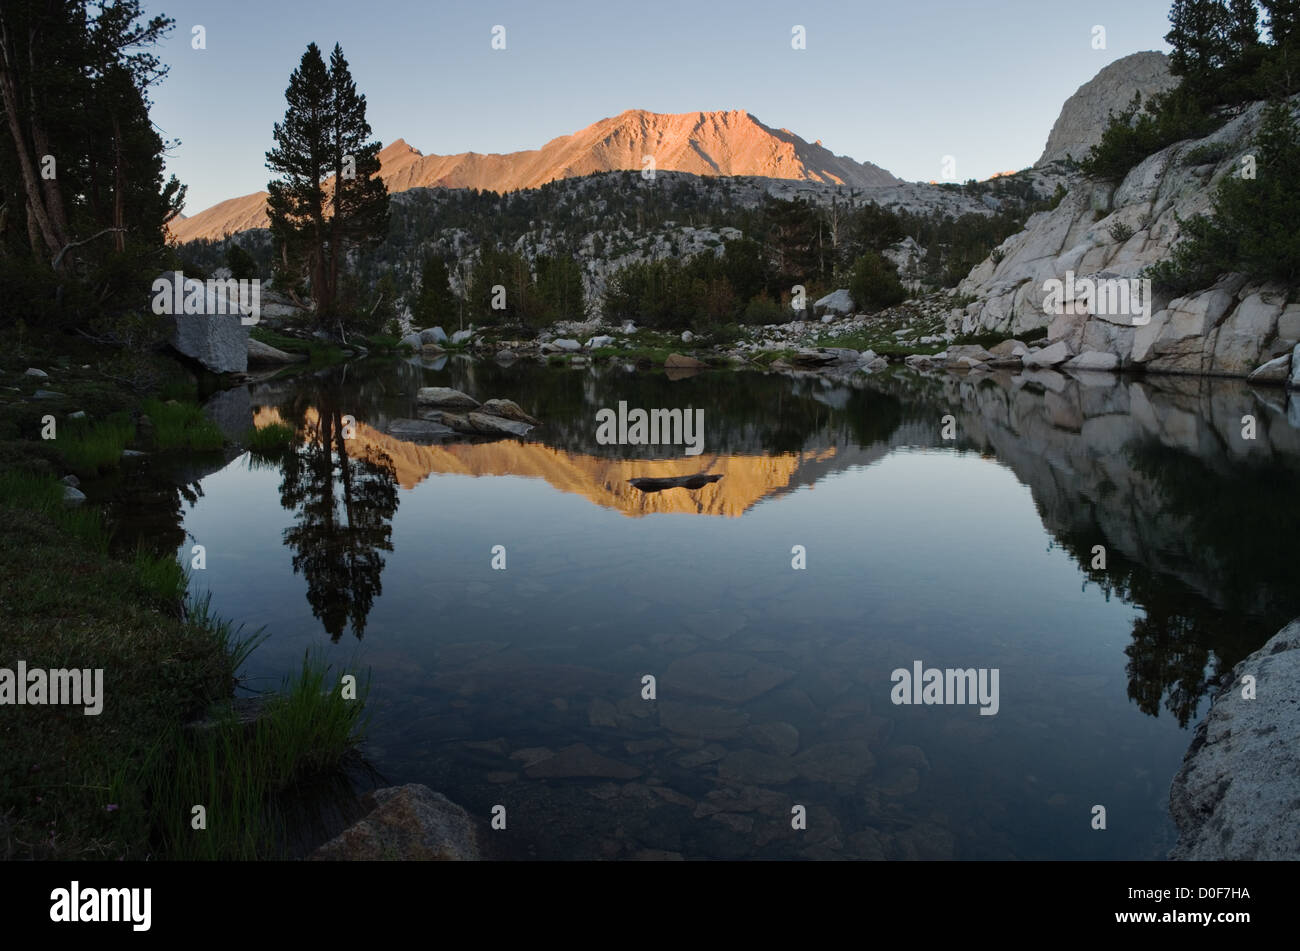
column 900, row 83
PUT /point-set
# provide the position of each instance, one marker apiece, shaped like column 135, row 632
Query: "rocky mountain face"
column 701, row 143
column 1104, row 233
column 1085, row 115
column 611, row 219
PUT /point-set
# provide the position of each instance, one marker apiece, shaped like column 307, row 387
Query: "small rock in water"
column 692, row 482
column 73, row 496
column 444, row 396
column 677, row 361
column 48, row 395
column 580, row 760
column 39, row 374
column 496, row 426
column 508, row 409
column 419, row 430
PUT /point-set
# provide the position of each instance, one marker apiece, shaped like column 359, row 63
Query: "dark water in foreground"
column 523, row 687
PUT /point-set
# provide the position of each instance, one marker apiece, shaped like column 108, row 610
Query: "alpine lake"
column 646, row 674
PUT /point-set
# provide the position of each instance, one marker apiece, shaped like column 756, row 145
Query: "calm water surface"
column 523, row 686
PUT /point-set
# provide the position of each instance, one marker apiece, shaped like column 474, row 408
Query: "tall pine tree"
column 1199, row 37
column 1282, row 17
column 435, row 304
column 328, row 198
column 296, row 204
column 359, row 207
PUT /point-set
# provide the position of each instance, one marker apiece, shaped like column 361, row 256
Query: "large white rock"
column 604, row 340
column 1057, row 353
column 1093, row 360
column 1085, row 115
column 1193, row 316
column 1288, row 325
column 1240, row 344
column 217, row 340
column 1235, row 796
column 1144, row 337
column 837, row 302
column 434, row 336
column 1275, row 371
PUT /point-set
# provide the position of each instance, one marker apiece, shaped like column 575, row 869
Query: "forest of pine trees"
column 83, row 200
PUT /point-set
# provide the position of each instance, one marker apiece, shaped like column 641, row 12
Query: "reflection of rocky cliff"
column 747, row 479
column 1160, row 474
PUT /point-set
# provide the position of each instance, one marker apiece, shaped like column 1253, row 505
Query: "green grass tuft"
column 270, row 441
column 92, row 446
column 182, row 426
column 240, row 771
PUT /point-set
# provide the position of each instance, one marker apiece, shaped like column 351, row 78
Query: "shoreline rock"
column 408, row 823
column 1235, row 796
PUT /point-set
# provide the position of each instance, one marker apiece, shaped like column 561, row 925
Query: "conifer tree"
column 328, row 199
column 435, row 303
column 1199, row 37
column 83, row 199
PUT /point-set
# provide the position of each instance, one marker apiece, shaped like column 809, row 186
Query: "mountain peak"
column 726, row 142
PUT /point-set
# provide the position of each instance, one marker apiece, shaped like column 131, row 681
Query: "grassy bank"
column 124, row 783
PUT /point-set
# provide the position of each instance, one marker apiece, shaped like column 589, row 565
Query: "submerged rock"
column 409, row 823
column 1235, row 796
column 721, row 675
column 677, row 361
column 419, row 430
column 580, row 760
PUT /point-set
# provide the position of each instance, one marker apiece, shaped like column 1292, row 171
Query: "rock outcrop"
column 409, row 823
column 217, row 338
column 1102, row 233
column 259, row 352
column 1085, row 115
column 1235, row 796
